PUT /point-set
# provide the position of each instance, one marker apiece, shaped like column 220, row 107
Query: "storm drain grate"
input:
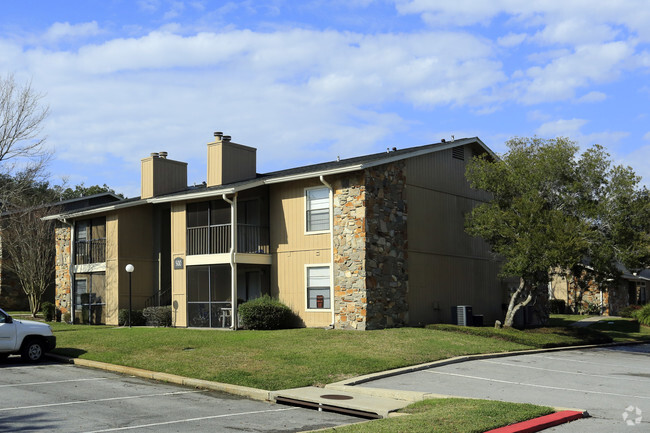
column 327, row 407
column 336, row 397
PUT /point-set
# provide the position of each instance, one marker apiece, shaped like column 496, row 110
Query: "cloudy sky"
column 307, row 81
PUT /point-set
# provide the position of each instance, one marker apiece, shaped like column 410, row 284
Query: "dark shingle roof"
column 347, row 164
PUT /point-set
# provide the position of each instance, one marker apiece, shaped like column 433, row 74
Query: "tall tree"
column 22, row 147
column 81, row 190
column 30, row 247
column 552, row 209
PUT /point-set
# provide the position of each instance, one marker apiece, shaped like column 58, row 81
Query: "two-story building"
column 361, row 243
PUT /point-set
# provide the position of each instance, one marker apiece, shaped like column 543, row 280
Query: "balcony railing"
column 251, row 239
column 92, row 251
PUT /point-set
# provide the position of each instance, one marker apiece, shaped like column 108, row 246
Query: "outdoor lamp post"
column 130, row 268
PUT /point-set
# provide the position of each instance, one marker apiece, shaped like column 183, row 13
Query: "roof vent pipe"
column 226, row 138
column 163, row 155
column 154, row 155
column 218, row 134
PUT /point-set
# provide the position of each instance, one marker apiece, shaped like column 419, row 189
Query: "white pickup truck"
column 25, row 337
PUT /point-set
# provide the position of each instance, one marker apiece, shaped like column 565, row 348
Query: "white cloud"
column 512, row 39
column 592, row 97
column 601, row 15
column 572, row 128
column 589, row 64
column 647, row 137
column 299, row 95
column 561, row 128
column 58, row 31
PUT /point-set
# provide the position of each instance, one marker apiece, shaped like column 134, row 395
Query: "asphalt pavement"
column 612, row 384
column 57, row 397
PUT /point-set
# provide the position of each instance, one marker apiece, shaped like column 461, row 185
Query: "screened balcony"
column 209, row 228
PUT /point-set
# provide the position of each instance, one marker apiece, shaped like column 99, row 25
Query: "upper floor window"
column 317, row 205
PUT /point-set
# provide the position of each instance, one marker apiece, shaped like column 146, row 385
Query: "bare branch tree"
column 21, row 118
column 23, row 154
column 30, row 247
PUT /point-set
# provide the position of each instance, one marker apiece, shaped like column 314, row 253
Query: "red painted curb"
column 541, row 423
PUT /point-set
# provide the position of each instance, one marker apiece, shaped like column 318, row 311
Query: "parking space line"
column 22, row 367
column 99, row 399
column 536, row 386
column 192, row 420
column 575, row 360
column 573, row 373
column 52, row 381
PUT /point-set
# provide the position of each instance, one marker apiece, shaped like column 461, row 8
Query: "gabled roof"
column 305, row 172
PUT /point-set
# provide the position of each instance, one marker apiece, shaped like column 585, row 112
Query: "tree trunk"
column 515, row 305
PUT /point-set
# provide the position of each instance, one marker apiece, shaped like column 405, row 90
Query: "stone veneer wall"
column 370, row 249
column 386, row 246
column 350, row 300
column 63, row 260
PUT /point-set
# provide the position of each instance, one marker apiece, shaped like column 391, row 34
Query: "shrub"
column 265, row 313
column 628, row 311
column 643, row 315
column 557, row 306
column 67, row 317
column 47, row 310
column 158, row 316
column 137, row 318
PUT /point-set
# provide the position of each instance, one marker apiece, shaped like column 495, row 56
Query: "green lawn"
column 445, row 415
column 301, row 357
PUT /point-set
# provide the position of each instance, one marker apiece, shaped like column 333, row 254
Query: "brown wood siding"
column 288, row 284
column 112, row 270
column 230, row 162
column 287, row 209
column 162, row 176
column 447, row 267
column 436, row 283
column 292, row 249
column 179, row 279
column 135, row 246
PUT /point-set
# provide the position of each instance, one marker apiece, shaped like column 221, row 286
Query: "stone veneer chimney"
column 230, row 162
column 162, row 176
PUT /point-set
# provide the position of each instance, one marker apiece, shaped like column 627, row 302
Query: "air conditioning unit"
column 461, row 315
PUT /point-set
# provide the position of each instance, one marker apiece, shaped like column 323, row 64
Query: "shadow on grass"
column 70, row 352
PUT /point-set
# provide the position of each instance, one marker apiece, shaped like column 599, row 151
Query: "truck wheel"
column 33, row 351
column 3, row 356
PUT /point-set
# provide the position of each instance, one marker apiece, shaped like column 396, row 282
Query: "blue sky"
column 308, row 81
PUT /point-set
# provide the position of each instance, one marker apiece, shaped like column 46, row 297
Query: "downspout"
column 72, row 252
column 322, row 180
column 233, row 261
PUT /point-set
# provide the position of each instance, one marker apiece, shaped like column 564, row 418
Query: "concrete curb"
column 458, row 359
column 243, row 391
column 541, row 423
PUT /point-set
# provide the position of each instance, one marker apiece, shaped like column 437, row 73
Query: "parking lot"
column 64, row 398
column 607, row 382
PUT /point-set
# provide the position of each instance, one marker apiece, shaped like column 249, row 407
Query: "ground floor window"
column 318, row 287
column 90, row 298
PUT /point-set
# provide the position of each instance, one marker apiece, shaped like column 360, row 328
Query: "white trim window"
column 318, row 287
column 317, row 207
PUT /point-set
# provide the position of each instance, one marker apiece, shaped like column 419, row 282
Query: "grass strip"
column 450, row 415
column 293, row 358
